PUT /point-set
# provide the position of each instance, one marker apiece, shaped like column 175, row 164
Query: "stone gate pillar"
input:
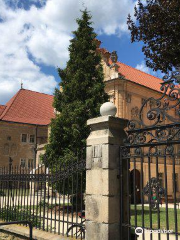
column 102, row 178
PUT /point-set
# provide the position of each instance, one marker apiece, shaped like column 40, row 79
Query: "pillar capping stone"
column 108, row 120
column 106, row 130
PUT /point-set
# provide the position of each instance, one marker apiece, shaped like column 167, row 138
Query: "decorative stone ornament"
column 108, row 109
column 114, row 57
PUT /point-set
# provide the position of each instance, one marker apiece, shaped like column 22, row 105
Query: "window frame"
column 22, row 137
column 30, row 138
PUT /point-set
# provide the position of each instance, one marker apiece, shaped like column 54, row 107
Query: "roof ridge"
column 6, row 110
column 131, row 66
column 37, row 92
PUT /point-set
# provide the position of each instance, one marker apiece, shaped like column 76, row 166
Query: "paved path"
column 155, row 237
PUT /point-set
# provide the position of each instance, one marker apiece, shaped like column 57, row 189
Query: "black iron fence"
column 52, row 198
column 152, row 154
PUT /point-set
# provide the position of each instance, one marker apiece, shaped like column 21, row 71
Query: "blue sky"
column 35, row 36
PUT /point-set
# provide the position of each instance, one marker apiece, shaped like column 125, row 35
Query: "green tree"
column 80, row 96
column 158, row 26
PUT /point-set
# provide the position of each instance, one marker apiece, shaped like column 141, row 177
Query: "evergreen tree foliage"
column 80, row 96
column 158, row 26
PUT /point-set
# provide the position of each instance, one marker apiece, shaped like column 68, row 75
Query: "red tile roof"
column 133, row 74
column 29, row 107
column 2, row 108
column 139, row 77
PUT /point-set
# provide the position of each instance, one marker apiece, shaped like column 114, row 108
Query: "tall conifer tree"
column 80, row 96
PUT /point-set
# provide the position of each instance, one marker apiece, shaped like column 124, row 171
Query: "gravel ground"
column 5, row 236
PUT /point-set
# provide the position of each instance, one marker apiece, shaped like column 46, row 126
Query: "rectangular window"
column 24, row 138
column 32, row 139
column 23, row 162
column 30, row 163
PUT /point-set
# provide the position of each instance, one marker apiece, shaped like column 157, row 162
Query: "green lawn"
column 155, row 218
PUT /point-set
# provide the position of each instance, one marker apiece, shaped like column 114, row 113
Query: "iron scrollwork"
column 151, row 127
column 160, row 109
column 160, row 134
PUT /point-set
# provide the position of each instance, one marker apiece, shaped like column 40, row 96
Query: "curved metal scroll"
column 162, row 107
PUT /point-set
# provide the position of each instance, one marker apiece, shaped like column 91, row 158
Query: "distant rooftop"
column 28, row 107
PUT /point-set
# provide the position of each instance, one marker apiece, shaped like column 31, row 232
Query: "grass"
column 48, row 205
column 163, row 223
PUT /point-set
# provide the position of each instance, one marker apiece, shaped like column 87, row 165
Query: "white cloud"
column 44, row 33
column 142, row 67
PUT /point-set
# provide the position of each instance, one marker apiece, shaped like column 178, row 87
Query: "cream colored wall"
column 169, row 186
column 120, row 88
column 17, row 149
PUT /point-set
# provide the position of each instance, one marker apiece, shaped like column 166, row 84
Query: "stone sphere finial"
column 108, row 109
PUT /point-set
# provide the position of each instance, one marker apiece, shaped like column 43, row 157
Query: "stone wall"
column 11, row 144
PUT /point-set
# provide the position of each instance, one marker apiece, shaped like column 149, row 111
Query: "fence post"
column 102, row 178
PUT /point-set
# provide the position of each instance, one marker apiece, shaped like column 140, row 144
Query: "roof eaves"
column 121, row 78
column 34, row 124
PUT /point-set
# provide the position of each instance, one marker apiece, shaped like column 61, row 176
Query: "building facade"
column 24, row 120
column 24, row 124
column 128, row 89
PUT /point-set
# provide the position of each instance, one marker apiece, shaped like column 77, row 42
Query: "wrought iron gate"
column 152, row 153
